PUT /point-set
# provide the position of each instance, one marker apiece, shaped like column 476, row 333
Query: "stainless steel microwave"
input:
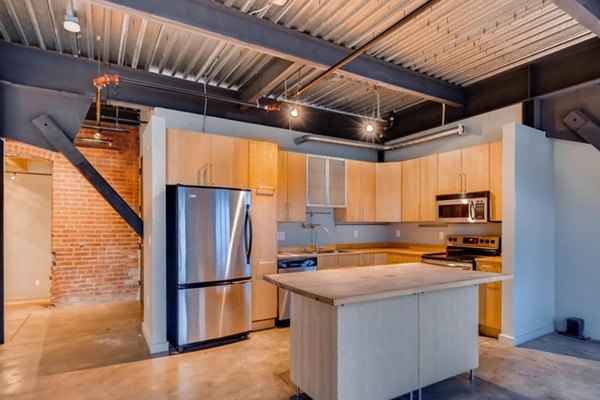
column 463, row 207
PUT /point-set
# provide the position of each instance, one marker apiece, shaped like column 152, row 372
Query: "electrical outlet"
column 36, row 283
column 441, row 235
column 355, row 234
column 397, row 232
column 280, row 235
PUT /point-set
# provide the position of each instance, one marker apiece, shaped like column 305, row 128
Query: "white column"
column 154, row 326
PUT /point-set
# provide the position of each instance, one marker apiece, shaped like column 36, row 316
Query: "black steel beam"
column 229, row 24
column 46, row 69
column 585, row 126
column 577, row 65
column 54, row 134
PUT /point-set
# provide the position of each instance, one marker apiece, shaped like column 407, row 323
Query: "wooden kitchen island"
column 380, row 332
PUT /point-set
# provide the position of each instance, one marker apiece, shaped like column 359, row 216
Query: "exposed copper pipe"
column 370, row 44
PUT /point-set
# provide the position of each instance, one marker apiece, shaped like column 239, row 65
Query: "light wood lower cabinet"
column 348, row 260
column 264, row 298
column 402, row 258
column 263, row 179
column 363, row 260
column 195, row 158
column 490, row 301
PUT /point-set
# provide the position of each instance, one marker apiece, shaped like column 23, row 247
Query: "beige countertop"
column 355, row 285
column 415, row 251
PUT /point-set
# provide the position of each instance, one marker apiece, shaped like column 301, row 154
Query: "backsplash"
column 413, row 233
column 295, row 235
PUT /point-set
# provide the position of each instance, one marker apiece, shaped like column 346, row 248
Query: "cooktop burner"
column 461, row 251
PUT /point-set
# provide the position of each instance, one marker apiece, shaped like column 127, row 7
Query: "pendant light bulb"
column 369, row 128
column 71, row 24
column 294, row 113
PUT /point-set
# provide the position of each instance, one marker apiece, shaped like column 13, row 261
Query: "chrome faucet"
column 320, row 228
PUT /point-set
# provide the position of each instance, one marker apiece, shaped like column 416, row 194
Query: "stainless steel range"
column 461, row 251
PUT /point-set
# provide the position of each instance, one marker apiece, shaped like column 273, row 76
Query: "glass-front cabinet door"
column 325, row 181
column 337, row 182
column 316, row 181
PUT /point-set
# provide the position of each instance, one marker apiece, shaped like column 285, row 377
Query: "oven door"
column 462, row 210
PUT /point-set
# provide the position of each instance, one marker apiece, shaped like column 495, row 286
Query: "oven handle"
column 447, row 263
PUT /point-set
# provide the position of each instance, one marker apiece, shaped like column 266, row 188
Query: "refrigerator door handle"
column 248, row 232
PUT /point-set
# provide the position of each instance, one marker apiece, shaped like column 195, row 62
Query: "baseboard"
column 522, row 339
column 153, row 347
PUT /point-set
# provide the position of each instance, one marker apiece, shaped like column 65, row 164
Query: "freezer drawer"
column 213, row 312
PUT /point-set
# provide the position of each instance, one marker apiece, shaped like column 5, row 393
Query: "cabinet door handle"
column 287, row 212
column 203, row 177
column 465, row 182
column 459, row 182
column 212, row 174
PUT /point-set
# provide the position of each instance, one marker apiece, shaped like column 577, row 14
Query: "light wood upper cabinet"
column 262, row 182
column 496, row 181
column 325, row 181
column 411, row 190
column 464, row 170
column 475, row 161
column 419, row 188
column 195, row 158
column 229, row 161
column 291, row 186
column 429, row 188
column 450, row 172
column 388, row 192
column 188, row 157
column 361, row 193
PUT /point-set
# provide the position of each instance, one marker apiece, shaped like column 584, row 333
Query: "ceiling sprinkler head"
column 71, row 23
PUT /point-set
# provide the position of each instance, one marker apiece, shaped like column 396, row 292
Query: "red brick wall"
column 97, row 256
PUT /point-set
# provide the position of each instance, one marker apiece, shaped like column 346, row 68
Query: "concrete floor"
column 97, row 352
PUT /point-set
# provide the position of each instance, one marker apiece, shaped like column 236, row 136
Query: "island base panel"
column 371, row 349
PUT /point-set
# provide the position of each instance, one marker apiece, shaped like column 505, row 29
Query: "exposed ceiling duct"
column 394, row 145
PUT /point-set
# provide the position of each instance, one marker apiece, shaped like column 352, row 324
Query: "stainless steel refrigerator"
column 209, row 247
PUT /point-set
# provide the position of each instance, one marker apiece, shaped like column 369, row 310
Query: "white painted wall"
column 27, row 237
column 528, row 234
column 284, row 137
column 154, row 326
column 577, row 196
column 484, row 128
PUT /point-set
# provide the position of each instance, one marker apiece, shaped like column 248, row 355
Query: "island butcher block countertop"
column 354, row 285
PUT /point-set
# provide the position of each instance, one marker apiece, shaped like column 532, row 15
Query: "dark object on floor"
column 575, row 328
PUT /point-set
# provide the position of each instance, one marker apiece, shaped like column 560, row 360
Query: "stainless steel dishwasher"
column 284, row 266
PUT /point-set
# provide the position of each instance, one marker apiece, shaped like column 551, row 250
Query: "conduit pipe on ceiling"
column 367, row 46
column 458, row 130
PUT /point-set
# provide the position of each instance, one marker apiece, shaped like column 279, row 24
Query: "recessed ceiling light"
column 294, row 113
column 71, row 23
column 14, row 176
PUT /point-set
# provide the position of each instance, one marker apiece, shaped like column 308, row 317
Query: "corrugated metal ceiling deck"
column 460, row 41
